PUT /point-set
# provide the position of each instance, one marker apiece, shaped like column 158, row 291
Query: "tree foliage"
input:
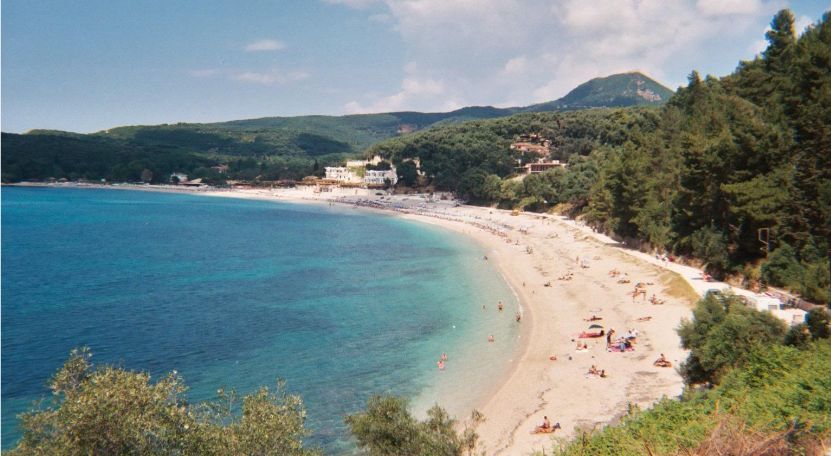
column 781, row 397
column 723, row 161
column 386, row 428
column 108, row 410
column 722, row 334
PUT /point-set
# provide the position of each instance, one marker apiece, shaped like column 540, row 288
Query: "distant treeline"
column 153, row 155
column 266, row 149
column 725, row 162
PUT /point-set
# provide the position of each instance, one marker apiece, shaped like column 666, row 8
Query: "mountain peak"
column 622, row 89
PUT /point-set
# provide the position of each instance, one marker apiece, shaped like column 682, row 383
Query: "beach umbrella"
column 595, row 327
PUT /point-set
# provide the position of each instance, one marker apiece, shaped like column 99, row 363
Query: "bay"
column 340, row 303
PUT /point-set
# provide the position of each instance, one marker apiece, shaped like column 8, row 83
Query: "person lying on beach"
column 546, row 427
column 647, row 318
column 655, row 301
column 623, row 281
column 593, row 318
column 547, row 284
column 662, row 361
column 582, row 346
column 595, row 372
column 591, row 335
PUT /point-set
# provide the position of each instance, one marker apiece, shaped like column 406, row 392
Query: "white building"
column 179, row 177
column 340, row 174
column 379, row 177
column 362, row 163
column 764, row 303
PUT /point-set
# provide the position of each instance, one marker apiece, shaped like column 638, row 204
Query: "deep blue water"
column 341, row 303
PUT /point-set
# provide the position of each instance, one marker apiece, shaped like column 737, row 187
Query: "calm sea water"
column 341, row 303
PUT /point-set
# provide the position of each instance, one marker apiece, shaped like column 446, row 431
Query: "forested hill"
column 272, row 147
column 627, row 89
column 700, row 176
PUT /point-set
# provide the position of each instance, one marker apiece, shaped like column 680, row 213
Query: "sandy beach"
column 534, row 252
column 563, row 274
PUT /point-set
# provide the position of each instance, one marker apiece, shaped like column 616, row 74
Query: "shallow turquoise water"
column 341, row 303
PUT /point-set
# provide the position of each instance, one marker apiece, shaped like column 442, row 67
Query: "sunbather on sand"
column 546, row 427
column 662, row 361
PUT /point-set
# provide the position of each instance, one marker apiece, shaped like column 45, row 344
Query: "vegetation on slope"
column 270, row 148
column 770, row 396
column 108, row 410
column 626, row 89
column 701, row 176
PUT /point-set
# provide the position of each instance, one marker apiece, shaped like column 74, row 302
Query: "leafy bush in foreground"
column 110, row 411
column 722, row 334
column 387, row 428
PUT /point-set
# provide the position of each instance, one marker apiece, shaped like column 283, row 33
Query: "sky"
column 90, row 65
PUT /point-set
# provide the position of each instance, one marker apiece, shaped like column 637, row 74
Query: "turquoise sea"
column 342, row 303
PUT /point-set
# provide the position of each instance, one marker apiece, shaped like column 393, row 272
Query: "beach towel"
column 616, row 348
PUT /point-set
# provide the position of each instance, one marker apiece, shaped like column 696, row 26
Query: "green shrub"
column 110, row 411
column 387, row 428
column 782, row 267
column 722, row 334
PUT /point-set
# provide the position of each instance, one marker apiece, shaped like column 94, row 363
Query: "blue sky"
column 90, row 65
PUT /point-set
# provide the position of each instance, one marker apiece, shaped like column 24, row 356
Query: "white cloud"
column 414, row 92
column 758, row 47
column 272, row 77
column 381, row 18
column 802, row 23
column 358, row 4
column 518, row 52
column 264, row 45
column 728, row 7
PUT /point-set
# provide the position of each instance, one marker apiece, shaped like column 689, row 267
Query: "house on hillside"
column 541, row 166
column 178, row 177
column 380, row 177
column 340, row 174
column 221, row 169
column 362, row 163
column 532, row 148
